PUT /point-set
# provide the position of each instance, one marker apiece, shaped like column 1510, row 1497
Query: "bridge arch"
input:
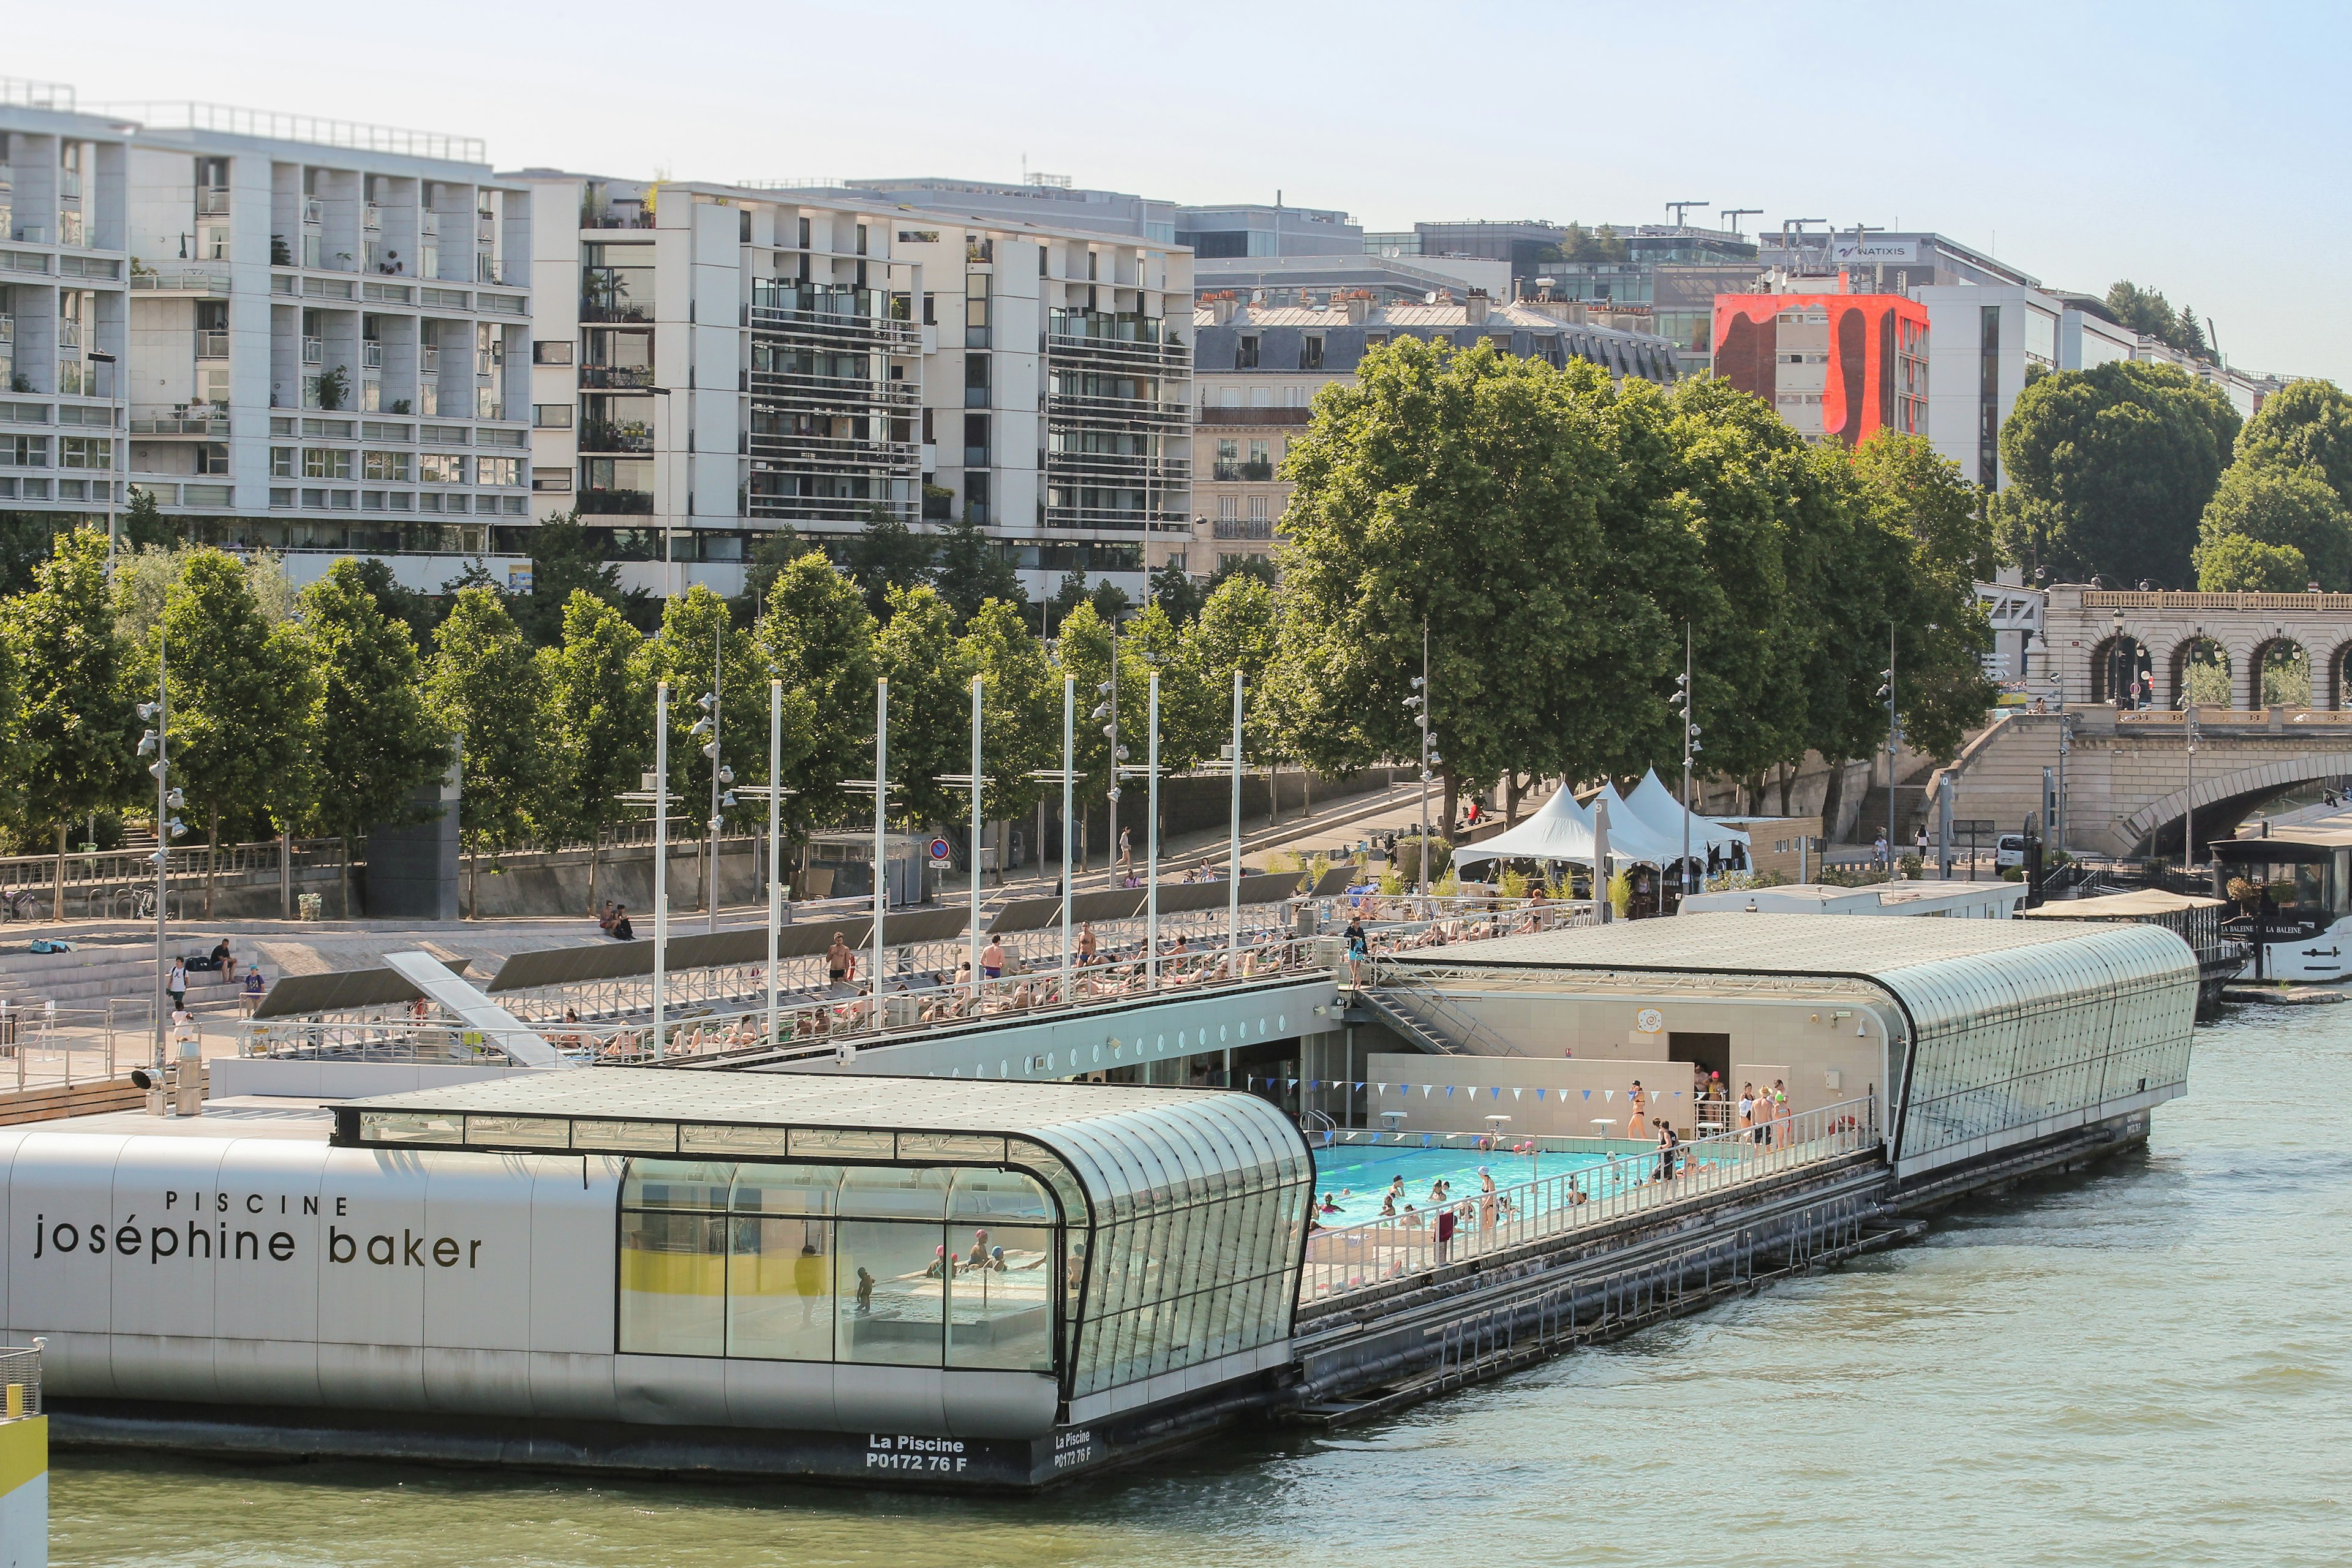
column 2228, row 797
column 2280, row 670
column 2116, row 664
column 2201, row 671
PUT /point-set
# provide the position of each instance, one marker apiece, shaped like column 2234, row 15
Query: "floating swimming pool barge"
column 951, row 1282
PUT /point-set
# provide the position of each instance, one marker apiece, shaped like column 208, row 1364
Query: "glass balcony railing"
column 313, row 210
column 211, row 345
column 314, row 351
column 370, row 356
column 212, row 201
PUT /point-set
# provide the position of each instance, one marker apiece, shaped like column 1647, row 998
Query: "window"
column 1310, row 352
column 1227, row 509
column 281, row 462
column 441, row 468
column 975, row 380
column 212, row 457
column 556, row 480
column 385, row 466
column 1245, row 351
column 85, row 452
column 550, row 416
column 927, row 422
column 891, row 1265
column 551, row 350
column 919, row 236
column 1257, row 509
column 805, row 234
column 25, row 451
column 497, row 470
column 326, row 463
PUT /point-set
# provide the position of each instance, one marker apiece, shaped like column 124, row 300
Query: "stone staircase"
column 95, row 972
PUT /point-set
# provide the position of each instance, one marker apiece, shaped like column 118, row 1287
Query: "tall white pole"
column 1069, row 796
column 775, row 826
column 661, row 854
column 1600, row 905
column 1151, row 846
column 1424, row 760
column 1687, row 762
column 710, row 879
column 1234, row 842
column 972, row 935
column 162, row 832
column 881, row 844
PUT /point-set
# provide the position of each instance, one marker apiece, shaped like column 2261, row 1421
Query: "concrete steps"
column 92, row 974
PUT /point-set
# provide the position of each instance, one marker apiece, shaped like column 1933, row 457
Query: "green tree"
column 142, row 525
column 1461, row 490
column 1175, row 591
column 884, row 555
column 697, row 628
column 2144, row 310
column 968, row 569
column 2306, row 426
column 930, row 706
column 485, row 686
column 565, row 559
column 416, row 611
column 76, row 729
column 2109, row 470
column 26, row 540
column 778, row 548
column 1068, row 594
column 1237, row 632
column 1021, row 708
column 143, row 581
column 1258, row 568
column 816, row 635
column 599, row 721
column 2235, row 564
column 2293, row 508
column 242, row 693
column 373, row 740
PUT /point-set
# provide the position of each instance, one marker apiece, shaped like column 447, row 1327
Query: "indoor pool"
column 1358, row 1174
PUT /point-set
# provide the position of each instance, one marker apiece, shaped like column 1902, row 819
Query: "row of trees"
column 319, row 713
column 1559, row 537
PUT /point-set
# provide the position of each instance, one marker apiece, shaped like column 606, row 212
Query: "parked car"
column 2009, row 850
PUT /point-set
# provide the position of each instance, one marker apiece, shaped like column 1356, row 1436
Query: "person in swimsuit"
column 992, row 960
column 1635, row 1098
column 838, row 963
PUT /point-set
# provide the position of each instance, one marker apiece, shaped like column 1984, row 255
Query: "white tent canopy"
column 1660, row 812
column 1561, row 830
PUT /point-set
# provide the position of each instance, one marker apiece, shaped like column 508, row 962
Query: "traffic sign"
column 938, row 848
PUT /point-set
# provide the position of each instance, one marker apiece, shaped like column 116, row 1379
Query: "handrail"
column 1377, row 1252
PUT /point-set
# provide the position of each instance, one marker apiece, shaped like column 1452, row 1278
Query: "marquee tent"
column 1660, row 812
column 1561, row 830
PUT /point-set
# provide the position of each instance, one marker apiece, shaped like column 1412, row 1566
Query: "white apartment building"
column 312, row 321
column 1983, row 340
column 711, row 362
column 64, row 306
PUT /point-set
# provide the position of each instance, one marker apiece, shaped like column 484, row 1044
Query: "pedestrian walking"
column 175, row 985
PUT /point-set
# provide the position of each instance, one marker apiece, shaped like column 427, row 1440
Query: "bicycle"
column 19, row 903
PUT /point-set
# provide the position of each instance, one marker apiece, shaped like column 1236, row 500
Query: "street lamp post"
column 975, row 782
column 720, row 777
column 2189, row 797
column 167, row 827
column 115, row 442
column 1682, row 700
column 773, row 792
column 1419, row 701
column 661, row 856
column 1233, row 844
column 1894, row 742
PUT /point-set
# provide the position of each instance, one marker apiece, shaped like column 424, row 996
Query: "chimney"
column 1221, row 307
column 1475, row 308
column 1360, row 306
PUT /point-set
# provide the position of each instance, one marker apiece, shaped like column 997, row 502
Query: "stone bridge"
column 2129, row 777
column 2083, row 631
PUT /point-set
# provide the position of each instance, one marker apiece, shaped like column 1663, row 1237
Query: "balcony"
column 314, row 351
column 616, row 377
column 212, row 344
column 313, row 210
column 178, row 419
column 212, row 201
column 372, row 217
column 31, row 234
column 626, row 502
column 592, row 309
column 1243, row 528
column 68, row 334
column 8, row 329
column 1212, row 416
column 615, row 436
column 428, row 358
column 617, row 217
column 429, row 227
column 371, row 355
column 180, row 281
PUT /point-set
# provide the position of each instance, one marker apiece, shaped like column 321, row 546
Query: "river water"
column 2145, row 1365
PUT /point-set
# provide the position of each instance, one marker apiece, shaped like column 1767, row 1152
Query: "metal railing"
column 20, row 1379
column 45, row 1044
column 1380, row 1251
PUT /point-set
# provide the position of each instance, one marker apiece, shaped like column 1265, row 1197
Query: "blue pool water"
column 1358, row 1174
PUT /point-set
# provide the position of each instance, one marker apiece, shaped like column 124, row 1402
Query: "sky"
column 2199, row 151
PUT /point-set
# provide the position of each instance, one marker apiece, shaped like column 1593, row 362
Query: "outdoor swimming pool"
column 1358, row 1174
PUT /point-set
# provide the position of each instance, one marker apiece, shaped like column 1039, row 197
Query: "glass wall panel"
column 779, row 1284
column 673, row 1282
column 892, row 1192
column 890, row 1281
column 1000, row 1303
column 677, row 1184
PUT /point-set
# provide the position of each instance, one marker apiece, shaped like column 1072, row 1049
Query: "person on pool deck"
column 992, row 960
column 1486, row 1199
column 1635, row 1099
column 865, row 1292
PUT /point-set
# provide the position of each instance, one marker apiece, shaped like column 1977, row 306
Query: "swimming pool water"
column 1358, row 1174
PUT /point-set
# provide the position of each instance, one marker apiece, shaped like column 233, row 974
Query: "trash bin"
column 313, row 906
